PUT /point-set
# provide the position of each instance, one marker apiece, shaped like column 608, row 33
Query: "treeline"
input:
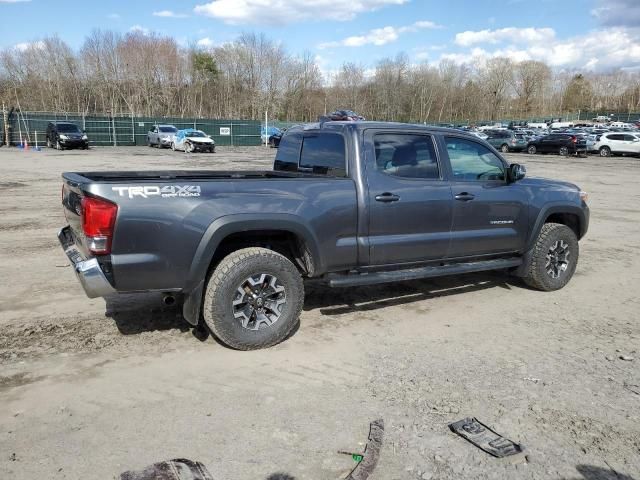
column 152, row 75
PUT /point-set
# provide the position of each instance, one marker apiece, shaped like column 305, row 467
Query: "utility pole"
column 266, row 128
column 5, row 122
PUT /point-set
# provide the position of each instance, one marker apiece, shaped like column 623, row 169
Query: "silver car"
column 161, row 136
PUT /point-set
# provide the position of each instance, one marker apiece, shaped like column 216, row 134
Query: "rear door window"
column 324, row 153
column 406, row 155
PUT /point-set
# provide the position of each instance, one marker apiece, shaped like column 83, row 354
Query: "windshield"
column 168, row 129
column 196, row 134
column 68, row 128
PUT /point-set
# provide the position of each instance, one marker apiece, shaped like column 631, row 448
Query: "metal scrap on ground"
column 371, row 453
column 474, row 431
column 177, row 469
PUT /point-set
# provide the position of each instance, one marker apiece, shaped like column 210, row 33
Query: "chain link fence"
column 105, row 130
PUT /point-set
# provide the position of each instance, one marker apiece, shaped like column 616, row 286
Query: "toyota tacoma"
column 347, row 203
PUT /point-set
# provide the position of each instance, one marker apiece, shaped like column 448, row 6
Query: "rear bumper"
column 88, row 271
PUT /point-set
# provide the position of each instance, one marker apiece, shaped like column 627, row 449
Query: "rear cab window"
column 317, row 152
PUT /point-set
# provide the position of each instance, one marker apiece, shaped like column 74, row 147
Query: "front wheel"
column 564, row 151
column 188, row 148
column 59, row 145
column 504, row 148
column 554, row 258
column 49, row 145
column 173, row 146
column 253, row 299
column 531, row 149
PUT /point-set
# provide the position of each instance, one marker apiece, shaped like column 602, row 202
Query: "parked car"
column 618, row 143
column 271, row 137
column 559, row 143
column 63, row 135
column 345, row 115
column 506, row 140
column 191, row 140
column 161, row 135
column 348, row 204
column 274, row 140
column 479, row 134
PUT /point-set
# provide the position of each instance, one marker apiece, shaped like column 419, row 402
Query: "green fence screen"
column 104, row 130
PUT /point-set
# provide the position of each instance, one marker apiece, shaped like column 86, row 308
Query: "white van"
column 562, row 125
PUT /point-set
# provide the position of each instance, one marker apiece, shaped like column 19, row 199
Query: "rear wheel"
column 253, row 299
column 59, row 145
column 531, row 149
column 564, row 151
column 605, row 152
column 554, row 258
column 49, row 145
column 504, row 148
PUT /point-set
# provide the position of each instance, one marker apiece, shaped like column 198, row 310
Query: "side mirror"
column 516, row 172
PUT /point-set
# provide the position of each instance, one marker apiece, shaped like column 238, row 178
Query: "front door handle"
column 387, row 197
column 465, row 196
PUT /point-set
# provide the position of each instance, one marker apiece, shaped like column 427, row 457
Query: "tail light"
column 574, row 139
column 98, row 220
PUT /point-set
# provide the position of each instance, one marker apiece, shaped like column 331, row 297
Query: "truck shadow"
column 591, row 472
column 144, row 312
column 338, row 301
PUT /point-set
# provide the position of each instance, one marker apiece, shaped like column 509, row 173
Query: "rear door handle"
column 465, row 196
column 387, row 197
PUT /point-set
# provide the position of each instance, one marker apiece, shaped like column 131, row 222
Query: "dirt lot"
column 90, row 388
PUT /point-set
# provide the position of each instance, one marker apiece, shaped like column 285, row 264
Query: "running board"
column 373, row 278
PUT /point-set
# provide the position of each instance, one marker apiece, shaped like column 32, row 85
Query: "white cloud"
column 169, row 14
column 14, row 1
column 509, row 34
column 379, row 36
column 21, row 47
column 281, row 12
column 113, row 16
column 615, row 13
column 599, row 50
column 205, row 42
column 139, row 29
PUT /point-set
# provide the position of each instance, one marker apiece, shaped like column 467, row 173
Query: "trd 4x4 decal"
column 166, row 191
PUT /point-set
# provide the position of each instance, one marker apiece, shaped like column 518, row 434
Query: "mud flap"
column 486, row 439
column 177, row 469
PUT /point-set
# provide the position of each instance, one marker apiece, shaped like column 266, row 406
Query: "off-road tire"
column 531, row 149
column 59, row 145
column 504, row 148
column 536, row 275
column 223, row 284
column 49, row 144
column 564, row 151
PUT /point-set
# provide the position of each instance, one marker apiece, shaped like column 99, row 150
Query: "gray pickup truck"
column 347, row 203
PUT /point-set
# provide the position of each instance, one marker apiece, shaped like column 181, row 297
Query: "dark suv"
column 559, row 143
column 63, row 135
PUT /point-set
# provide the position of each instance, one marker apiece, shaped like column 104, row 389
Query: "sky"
column 591, row 35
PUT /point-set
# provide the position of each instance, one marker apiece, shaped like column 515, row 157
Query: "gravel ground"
column 91, row 388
